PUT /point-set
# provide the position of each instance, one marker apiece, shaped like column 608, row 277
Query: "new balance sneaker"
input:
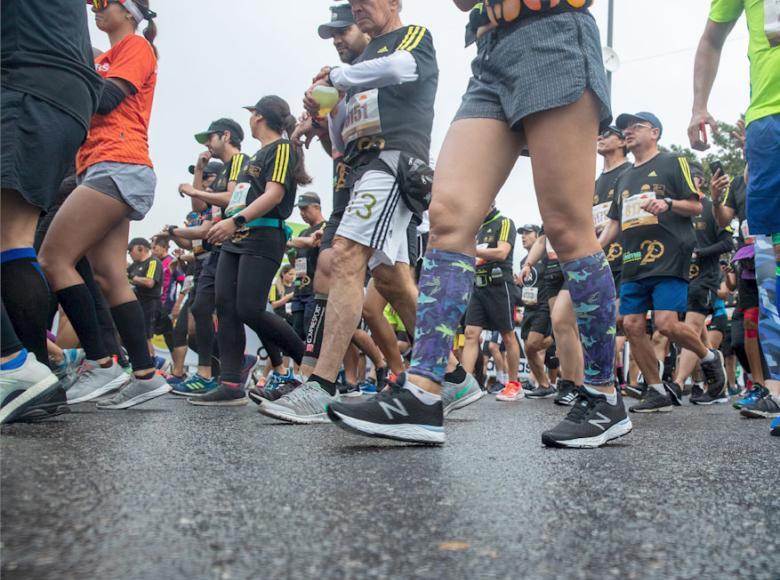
column 194, row 386
column 715, row 376
column 395, row 413
column 221, row 396
column 27, row 387
column 653, row 402
column 456, row 396
column 541, row 392
column 273, row 394
column 367, row 387
column 766, row 407
column 512, row 392
column 753, row 395
column 305, row 405
column 95, row 381
column 774, row 428
column 591, row 422
column 135, row 392
column 567, row 392
column 675, row 392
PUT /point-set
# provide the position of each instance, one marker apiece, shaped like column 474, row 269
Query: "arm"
column 610, row 233
column 141, row 281
column 301, row 242
column 273, row 195
column 683, row 207
column 724, row 244
column 282, row 301
column 395, row 69
column 497, row 254
column 220, row 199
column 730, row 280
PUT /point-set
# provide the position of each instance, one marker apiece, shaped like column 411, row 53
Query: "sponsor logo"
column 398, row 408
column 600, row 421
column 653, row 250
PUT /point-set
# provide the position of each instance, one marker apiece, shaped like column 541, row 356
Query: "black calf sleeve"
column 129, row 318
column 77, row 303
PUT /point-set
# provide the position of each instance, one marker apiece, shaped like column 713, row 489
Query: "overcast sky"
column 216, row 57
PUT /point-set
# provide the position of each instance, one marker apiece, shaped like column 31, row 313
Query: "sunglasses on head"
column 100, row 4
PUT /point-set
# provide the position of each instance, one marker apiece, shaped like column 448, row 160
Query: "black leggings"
column 181, row 329
column 203, row 311
column 243, row 282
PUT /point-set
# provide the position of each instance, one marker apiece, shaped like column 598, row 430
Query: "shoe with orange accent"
column 513, row 391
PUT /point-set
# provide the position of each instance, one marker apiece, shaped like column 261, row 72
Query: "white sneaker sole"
column 29, row 394
column 270, row 409
column 504, row 398
column 114, row 385
column 137, row 400
column 616, row 431
column 403, row 432
column 464, row 402
column 195, row 400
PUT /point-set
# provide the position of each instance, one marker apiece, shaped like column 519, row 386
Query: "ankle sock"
column 709, row 357
column 611, row 397
column 422, row 395
column 659, row 388
column 16, row 362
column 325, row 384
column 458, row 375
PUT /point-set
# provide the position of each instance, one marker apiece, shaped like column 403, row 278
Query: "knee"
column 664, row 326
column 447, row 227
column 472, row 333
column 562, row 236
column 633, row 327
column 533, row 345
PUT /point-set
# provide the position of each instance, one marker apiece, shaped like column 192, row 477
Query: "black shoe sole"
column 48, row 404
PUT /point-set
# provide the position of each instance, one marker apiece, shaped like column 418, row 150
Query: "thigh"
column 108, row 261
column 255, row 276
column 225, row 279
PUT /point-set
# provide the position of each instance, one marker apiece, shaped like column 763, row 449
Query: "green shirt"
column 764, row 55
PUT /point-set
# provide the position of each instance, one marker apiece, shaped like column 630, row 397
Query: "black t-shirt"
column 275, row 162
column 306, row 264
column 654, row 245
column 46, row 52
column 150, row 268
column 602, row 200
column 736, row 199
column 531, row 291
column 711, row 242
column 497, row 228
column 229, row 171
column 396, row 117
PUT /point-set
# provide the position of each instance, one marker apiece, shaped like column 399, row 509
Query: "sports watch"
column 669, row 201
column 239, row 220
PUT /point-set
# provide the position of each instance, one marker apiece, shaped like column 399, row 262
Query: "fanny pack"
column 502, row 12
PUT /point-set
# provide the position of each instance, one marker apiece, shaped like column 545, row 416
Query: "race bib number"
column 633, row 214
column 600, row 217
column 197, row 247
column 530, row 296
column 772, row 21
column 288, row 308
column 746, row 231
column 300, row 266
column 552, row 255
column 238, row 199
column 362, row 116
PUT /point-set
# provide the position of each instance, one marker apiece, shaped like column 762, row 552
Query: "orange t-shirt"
column 122, row 135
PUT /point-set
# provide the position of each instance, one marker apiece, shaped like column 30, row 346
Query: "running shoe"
column 259, row 396
column 774, row 428
column 653, row 402
column 495, row 387
column 697, row 391
column 591, row 422
column 135, row 392
column 66, row 375
column 249, row 363
column 95, row 381
column 159, row 362
column 381, row 377
column 395, row 413
column 456, row 396
column 27, row 387
column 305, row 405
column 74, row 356
column 528, row 386
column 173, row 380
column 567, row 392
column 347, row 390
column 751, row 396
column 734, row 391
column 277, row 379
column 368, row 388
column 542, row 392
column 513, row 391
column 715, row 376
column 708, row 398
column 635, row 391
column 222, row 396
column 194, row 386
column 766, row 407
column 674, row 391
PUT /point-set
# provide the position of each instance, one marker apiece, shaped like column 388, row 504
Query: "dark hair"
column 234, row 140
column 286, row 268
column 150, row 32
column 276, row 113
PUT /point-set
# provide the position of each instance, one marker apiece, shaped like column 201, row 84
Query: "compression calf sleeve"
column 10, row 342
column 315, row 332
column 445, row 286
column 128, row 318
column 592, row 290
column 78, row 304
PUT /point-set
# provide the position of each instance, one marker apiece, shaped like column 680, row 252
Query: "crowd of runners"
column 404, row 304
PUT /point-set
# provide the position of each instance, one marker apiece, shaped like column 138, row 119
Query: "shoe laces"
column 85, row 369
column 582, row 406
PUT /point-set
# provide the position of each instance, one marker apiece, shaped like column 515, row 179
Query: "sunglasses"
column 607, row 132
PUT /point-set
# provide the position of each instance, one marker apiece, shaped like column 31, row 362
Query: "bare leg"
column 471, row 348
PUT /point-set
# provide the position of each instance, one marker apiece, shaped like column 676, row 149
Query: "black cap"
column 308, row 198
column 614, row 130
column 220, row 126
column 531, row 228
column 211, row 169
column 139, row 242
column 340, row 18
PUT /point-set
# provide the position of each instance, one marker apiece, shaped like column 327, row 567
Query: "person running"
column 116, row 185
column 538, row 74
column 49, row 91
column 254, row 239
column 653, row 213
column 146, row 277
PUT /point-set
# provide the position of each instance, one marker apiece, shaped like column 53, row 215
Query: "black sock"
column 78, row 304
column 129, row 320
column 25, row 295
column 10, row 342
column 327, row 385
column 458, row 375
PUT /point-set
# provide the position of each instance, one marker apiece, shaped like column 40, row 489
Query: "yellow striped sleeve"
column 413, row 38
column 726, row 196
column 281, row 163
column 235, row 168
column 272, row 296
column 152, row 269
column 504, row 235
column 686, row 169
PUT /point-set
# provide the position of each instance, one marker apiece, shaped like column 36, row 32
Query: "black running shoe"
column 541, row 392
column 395, row 413
column 381, row 377
column 222, row 396
column 636, row 391
column 567, row 392
column 591, row 422
column 705, row 397
column 715, row 376
column 696, row 392
column 766, row 407
column 674, row 391
column 653, row 402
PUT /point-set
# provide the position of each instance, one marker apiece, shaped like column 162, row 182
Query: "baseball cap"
column 308, row 198
column 530, row 228
column 340, row 18
column 627, row 119
column 211, row 169
column 219, row 126
column 614, row 130
column 139, row 242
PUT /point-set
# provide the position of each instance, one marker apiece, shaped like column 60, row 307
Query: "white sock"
column 611, row 397
column 421, row 394
column 659, row 388
column 709, row 357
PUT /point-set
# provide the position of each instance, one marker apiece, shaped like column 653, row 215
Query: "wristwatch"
column 669, row 201
column 171, row 230
column 239, row 220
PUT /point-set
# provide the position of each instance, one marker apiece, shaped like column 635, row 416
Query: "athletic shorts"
column 492, row 307
column 617, row 277
column 208, row 273
column 150, row 307
column 376, row 216
column 720, row 324
column 762, row 148
column 40, row 143
column 411, row 243
column 131, row 184
column 536, row 320
column 553, row 284
column 655, row 293
column 533, row 65
column 700, row 299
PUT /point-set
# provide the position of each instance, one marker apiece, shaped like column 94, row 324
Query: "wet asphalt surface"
column 168, row 491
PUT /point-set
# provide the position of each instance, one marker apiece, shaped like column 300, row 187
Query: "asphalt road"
column 169, row 491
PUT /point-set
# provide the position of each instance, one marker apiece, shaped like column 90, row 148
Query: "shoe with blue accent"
column 766, row 407
column 173, row 380
column 247, row 367
column 278, row 379
column 368, row 388
column 753, row 395
column 195, row 386
column 734, row 391
column 159, row 362
column 774, row 428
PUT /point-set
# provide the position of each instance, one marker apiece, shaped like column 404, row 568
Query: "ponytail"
column 150, row 32
column 276, row 113
column 299, row 171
